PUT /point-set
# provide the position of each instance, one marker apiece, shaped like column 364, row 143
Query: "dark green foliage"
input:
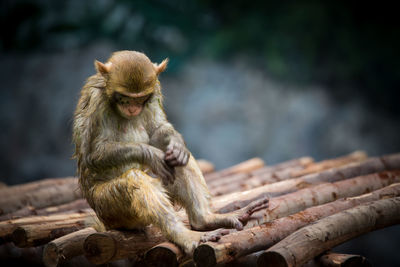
column 337, row 43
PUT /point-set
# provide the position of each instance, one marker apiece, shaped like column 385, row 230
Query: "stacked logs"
column 313, row 207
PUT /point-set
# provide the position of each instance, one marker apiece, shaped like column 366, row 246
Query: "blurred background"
column 276, row 80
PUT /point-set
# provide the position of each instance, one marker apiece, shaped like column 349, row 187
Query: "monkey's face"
column 130, row 107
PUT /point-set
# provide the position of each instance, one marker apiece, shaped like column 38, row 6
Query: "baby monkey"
column 132, row 163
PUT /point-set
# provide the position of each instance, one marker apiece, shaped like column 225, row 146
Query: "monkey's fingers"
column 181, row 157
column 185, row 158
column 169, row 157
column 173, row 163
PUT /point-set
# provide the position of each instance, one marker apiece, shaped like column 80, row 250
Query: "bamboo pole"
column 239, row 244
column 65, row 247
column 224, row 203
column 312, row 240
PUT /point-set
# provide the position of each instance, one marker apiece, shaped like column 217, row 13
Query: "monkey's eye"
column 121, row 99
column 141, row 100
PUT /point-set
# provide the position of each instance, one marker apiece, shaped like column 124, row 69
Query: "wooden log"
column 243, row 167
column 331, row 259
column 112, row 245
column 356, row 156
column 40, row 197
column 38, row 234
column 244, row 181
column 224, row 203
column 218, row 185
column 22, row 189
column 320, row 194
column 236, row 245
column 312, row 240
column 205, row 166
column 299, row 162
column 65, row 247
column 164, row 254
column 285, row 174
column 238, row 179
column 8, row 227
column 74, row 206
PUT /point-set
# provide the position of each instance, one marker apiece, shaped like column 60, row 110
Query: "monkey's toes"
column 253, row 207
column 214, row 236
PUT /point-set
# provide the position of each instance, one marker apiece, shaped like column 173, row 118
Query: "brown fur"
column 131, row 169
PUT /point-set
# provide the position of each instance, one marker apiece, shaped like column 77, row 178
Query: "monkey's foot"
column 236, row 219
column 239, row 218
column 190, row 241
column 213, row 236
column 254, row 206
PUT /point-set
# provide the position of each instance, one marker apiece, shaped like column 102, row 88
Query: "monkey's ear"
column 162, row 66
column 102, row 68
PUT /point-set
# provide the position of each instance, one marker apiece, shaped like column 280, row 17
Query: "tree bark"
column 312, row 240
column 224, row 203
column 39, row 234
column 236, row 245
column 21, row 189
column 235, row 182
column 302, row 162
column 8, row 227
column 39, row 195
column 74, row 206
column 357, row 156
column 65, row 247
column 243, row 167
column 294, row 172
column 112, row 245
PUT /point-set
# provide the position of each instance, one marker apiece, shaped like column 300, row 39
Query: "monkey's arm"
column 169, row 140
column 108, row 154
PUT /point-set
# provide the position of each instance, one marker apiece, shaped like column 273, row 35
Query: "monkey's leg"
column 190, row 190
column 135, row 200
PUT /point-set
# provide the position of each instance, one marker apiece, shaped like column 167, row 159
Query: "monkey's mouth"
column 130, row 110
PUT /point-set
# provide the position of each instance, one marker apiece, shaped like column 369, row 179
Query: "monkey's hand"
column 155, row 159
column 176, row 154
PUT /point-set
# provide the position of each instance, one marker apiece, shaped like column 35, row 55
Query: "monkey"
column 131, row 162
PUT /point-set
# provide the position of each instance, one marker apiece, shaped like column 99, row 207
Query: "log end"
column 19, row 237
column 271, row 258
column 204, row 255
column 99, row 248
column 164, row 254
column 50, row 255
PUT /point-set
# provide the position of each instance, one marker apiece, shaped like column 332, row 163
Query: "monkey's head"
column 131, row 80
